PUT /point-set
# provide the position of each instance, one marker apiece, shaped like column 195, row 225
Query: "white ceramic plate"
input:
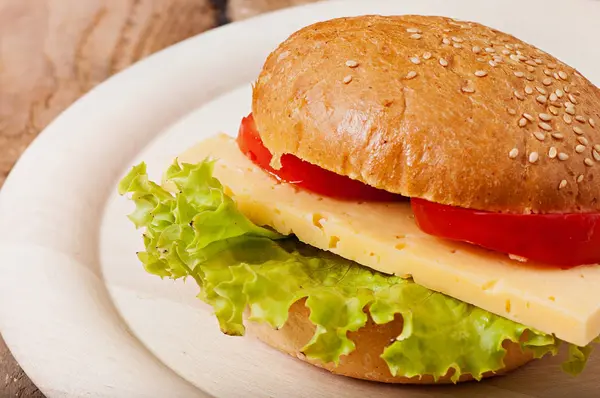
column 76, row 308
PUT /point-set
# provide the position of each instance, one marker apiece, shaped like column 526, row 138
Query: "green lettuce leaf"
column 198, row 231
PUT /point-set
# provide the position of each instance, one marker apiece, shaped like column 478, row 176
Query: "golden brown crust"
column 408, row 124
column 364, row 362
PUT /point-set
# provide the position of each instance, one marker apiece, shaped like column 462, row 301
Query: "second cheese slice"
column 384, row 236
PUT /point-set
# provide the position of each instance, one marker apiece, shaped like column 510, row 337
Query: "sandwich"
column 413, row 199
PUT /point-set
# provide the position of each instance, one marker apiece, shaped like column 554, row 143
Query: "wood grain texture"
column 242, row 9
column 54, row 51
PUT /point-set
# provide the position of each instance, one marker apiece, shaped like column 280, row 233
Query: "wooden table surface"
column 54, row 51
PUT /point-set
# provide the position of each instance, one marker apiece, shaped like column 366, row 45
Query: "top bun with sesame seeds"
column 452, row 112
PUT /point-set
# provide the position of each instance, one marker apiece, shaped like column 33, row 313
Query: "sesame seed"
column 443, row 62
column 545, row 117
column 505, row 52
column 531, row 69
column 596, row 155
column 519, row 95
column 563, row 75
column 570, row 110
column 457, row 45
column 351, row 63
column 415, row 36
column 552, row 152
column 562, row 184
column 530, row 78
column 580, row 148
column 547, row 72
column 522, row 122
column 347, row 79
column 552, row 65
column 557, row 136
column 553, row 110
column 509, row 46
column 539, row 136
column 538, row 61
column 517, row 45
column 541, row 90
column 519, row 53
column 498, row 59
column 411, row 75
column 545, row 126
column 519, row 74
column 553, row 97
column 513, row 153
column 445, row 40
column 592, row 122
column 492, row 63
column 597, row 147
column 514, row 58
column 521, row 57
column 480, row 59
column 580, row 178
column 563, row 156
column 578, row 130
column 569, row 104
column 457, row 39
column 580, row 119
column 530, row 62
column 533, row 157
column 489, row 50
column 567, row 119
column 413, row 30
column 583, row 140
column 468, row 89
column 480, row 73
column 555, row 75
column 547, row 81
column 528, row 117
column 528, row 90
column 572, row 98
column 511, row 111
column 415, row 60
column 476, row 49
column 559, row 93
column 588, row 162
column 427, row 55
column 541, row 99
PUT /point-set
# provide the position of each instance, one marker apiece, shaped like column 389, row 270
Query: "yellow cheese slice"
column 384, row 236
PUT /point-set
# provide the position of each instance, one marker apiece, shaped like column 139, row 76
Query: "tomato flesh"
column 564, row 240
column 306, row 175
column 556, row 240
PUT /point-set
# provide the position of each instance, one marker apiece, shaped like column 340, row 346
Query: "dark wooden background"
column 54, row 51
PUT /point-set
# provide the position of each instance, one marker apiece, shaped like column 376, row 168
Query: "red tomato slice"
column 306, row 175
column 564, row 240
column 559, row 240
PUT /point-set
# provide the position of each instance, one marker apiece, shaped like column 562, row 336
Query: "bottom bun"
column 365, row 361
